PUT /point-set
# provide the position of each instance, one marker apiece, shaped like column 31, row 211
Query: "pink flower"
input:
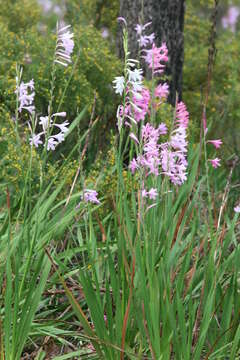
column 142, row 104
column 144, row 193
column 144, row 40
column 230, row 20
column 173, row 154
column 149, row 132
column 150, row 158
column 162, row 91
column 215, row 162
column 133, row 166
column 178, row 139
column 162, row 129
column 216, row 143
column 90, row 196
column 140, row 28
column 182, row 115
column 205, row 129
column 155, row 56
column 174, row 165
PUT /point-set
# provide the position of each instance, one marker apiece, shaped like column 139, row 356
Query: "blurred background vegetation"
column 27, row 37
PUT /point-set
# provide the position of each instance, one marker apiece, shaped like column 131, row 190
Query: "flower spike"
column 65, row 45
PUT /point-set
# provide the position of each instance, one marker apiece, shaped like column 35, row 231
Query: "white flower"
column 140, row 28
column 135, row 75
column 65, row 45
column 63, row 126
column 237, row 209
column 44, row 121
column 35, row 140
column 25, row 98
column 144, row 193
column 119, row 82
column 62, row 114
column 54, row 139
column 152, row 193
column 59, row 137
column 137, row 87
column 52, row 143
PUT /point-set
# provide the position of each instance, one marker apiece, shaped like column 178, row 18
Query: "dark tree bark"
column 167, row 18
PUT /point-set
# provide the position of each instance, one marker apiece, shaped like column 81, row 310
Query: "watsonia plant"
column 37, row 219
column 162, row 282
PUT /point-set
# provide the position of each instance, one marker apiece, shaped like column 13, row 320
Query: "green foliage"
column 223, row 109
column 29, row 44
column 131, row 277
column 101, row 13
column 26, row 41
column 19, row 16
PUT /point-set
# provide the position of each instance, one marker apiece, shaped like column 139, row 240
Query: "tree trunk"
column 167, row 18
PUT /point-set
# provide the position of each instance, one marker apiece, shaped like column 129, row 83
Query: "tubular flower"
column 137, row 97
column 152, row 193
column 25, row 97
column 144, row 193
column 216, row 143
column 140, row 28
column 162, row 91
column 135, row 76
column 173, row 154
column 52, row 143
column 65, row 45
column 47, row 123
column 35, row 140
column 182, row 115
column 215, row 162
column 144, row 40
column 142, row 104
column 150, row 158
column 90, row 196
column 119, row 84
column 155, row 56
column 133, row 166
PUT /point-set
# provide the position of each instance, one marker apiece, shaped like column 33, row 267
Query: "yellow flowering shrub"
column 102, row 14
column 28, row 40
